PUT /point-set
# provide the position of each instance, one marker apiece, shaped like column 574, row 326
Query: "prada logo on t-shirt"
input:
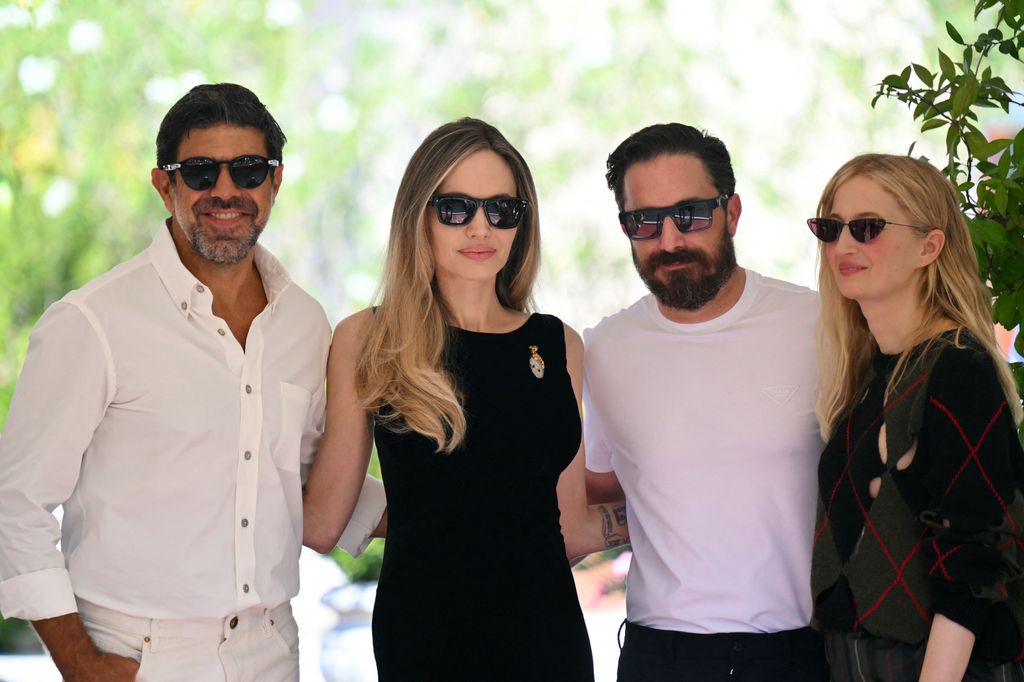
column 780, row 394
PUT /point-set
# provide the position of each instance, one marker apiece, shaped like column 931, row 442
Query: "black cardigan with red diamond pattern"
column 944, row 534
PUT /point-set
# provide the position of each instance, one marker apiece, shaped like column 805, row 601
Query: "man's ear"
column 734, row 207
column 162, row 183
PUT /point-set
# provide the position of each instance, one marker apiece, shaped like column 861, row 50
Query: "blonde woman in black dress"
column 473, row 402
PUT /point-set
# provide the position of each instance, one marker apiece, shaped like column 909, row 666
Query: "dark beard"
column 693, row 288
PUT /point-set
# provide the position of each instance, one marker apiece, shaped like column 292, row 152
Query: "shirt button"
column 245, row 588
column 245, row 523
column 233, row 623
column 184, row 305
column 200, row 288
column 221, row 332
column 247, row 455
column 248, row 388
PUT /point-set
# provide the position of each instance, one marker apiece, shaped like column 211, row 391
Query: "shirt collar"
column 182, row 286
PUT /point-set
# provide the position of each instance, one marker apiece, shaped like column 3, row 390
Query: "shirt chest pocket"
column 294, row 413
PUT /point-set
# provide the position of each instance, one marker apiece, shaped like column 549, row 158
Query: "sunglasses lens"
column 636, row 227
column 695, row 217
column 504, row 213
column 454, row 211
column 200, row 175
column 866, row 229
column 825, row 229
column 248, row 171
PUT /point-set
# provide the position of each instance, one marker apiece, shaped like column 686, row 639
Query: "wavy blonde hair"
column 951, row 288
column 402, row 364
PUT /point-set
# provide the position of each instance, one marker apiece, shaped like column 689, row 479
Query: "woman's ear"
column 931, row 247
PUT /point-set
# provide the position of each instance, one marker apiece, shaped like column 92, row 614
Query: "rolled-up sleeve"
column 974, row 474
column 365, row 517
column 65, row 386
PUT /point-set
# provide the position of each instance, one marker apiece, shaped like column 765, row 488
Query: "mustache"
column 215, row 203
column 677, row 257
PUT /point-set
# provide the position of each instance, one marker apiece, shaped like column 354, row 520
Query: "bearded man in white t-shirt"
column 699, row 409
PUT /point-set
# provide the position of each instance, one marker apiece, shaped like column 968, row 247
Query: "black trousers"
column 650, row 655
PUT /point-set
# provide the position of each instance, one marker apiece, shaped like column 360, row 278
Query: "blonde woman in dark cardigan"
column 918, row 549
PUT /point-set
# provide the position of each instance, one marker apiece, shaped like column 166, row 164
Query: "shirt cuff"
column 369, row 509
column 38, row 595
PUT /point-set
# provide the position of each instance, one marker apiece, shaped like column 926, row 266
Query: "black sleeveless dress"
column 475, row 584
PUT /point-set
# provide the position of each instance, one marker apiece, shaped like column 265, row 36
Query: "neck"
column 474, row 306
column 722, row 303
column 899, row 325
column 226, row 281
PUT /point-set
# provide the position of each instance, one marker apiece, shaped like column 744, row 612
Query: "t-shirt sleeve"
column 974, row 511
column 598, row 454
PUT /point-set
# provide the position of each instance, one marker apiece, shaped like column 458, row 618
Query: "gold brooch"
column 536, row 363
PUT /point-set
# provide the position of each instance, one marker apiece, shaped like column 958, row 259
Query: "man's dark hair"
column 670, row 138
column 205, row 106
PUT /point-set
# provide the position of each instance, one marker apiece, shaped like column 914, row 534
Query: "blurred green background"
column 787, row 84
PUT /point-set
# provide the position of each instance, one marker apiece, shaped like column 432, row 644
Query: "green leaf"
column 895, row 81
column 976, row 143
column 1003, row 311
column 932, row 124
column 964, row 95
column 1001, row 198
column 924, row 74
column 946, row 66
column 952, row 140
column 1018, row 147
column 994, row 147
column 954, row 34
column 987, row 231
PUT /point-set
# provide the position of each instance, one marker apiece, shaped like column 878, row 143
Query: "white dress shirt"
column 178, row 456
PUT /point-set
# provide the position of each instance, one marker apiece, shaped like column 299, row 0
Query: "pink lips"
column 847, row 269
column 477, row 254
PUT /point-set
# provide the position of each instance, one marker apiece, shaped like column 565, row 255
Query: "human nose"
column 671, row 238
column 844, row 243
column 478, row 225
column 223, row 186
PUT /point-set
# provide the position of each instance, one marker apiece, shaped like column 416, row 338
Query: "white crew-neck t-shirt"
column 710, row 429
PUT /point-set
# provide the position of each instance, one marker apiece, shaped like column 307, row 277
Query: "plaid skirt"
column 855, row 657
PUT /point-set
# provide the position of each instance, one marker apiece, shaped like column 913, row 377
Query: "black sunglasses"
column 689, row 216
column 861, row 229
column 457, row 210
column 201, row 173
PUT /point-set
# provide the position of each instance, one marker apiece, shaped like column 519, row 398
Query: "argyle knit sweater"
column 920, row 507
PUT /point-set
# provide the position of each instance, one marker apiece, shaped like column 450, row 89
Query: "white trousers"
column 255, row 644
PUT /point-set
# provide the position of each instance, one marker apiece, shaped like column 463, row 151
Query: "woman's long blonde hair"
column 402, row 363
column 951, row 288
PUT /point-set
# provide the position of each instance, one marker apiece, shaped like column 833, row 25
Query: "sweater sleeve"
column 972, row 482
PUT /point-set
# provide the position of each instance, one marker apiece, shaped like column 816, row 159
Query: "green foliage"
column 17, row 636
column 366, row 566
column 988, row 173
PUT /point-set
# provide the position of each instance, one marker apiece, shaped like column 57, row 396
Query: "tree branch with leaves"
column 989, row 174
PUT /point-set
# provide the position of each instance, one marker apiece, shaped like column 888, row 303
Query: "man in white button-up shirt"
column 173, row 406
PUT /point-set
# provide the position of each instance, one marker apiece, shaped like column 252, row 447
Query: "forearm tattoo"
column 612, row 524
